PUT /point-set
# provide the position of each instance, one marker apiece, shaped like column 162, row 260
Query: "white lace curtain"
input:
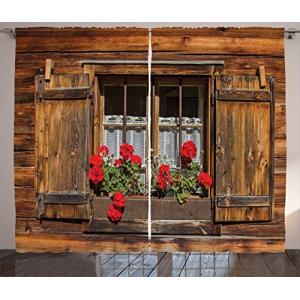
column 168, row 144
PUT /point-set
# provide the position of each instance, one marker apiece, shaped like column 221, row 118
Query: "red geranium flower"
column 103, row 150
column 161, row 182
column 114, row 214
column 119, row 200
column 204, row 179
column 126, row 151
column 164, row 169
column 96, row 174
column 188, row 151
column 136, row 160
column 163, row 177
column 96, row 160
column 118, row 162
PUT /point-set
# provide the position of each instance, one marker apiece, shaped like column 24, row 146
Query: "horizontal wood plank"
column 25, row 201
column 243, row 214
column 34, row 226
column 259, row 229
column 186, row 227
column 195, row 42
column 237, row 95
column 24, row 159
column 121, row 242
column 75, row 40
column 162, row 209
column 240, row 201
column 24, row 176
column 24, row 141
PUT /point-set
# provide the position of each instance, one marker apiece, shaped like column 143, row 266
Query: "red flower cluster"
column 103, row 150
column 96, row 160
column 118, row 162
column 114, row 214
column 204, row 179
column 126, row 152
column 96, row 174
column 136, row 160
column 188, row 151
column 116, row 209
column 163, row 177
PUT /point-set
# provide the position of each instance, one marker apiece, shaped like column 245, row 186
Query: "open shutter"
column 244, row 145
column 63, row 144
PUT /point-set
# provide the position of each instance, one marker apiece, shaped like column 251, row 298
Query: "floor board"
column 149, row 264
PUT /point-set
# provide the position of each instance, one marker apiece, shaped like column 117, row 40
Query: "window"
column 181, row 105
column 125, row 115
column 179, row 112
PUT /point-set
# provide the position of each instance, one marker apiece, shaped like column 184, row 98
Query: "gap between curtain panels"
column 149, row 133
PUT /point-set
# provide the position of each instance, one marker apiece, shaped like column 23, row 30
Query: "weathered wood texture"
column 167, row 227
column 162, row 209
column 242, row 49
column 244, row 150
column 123, row 242
column 62, row 143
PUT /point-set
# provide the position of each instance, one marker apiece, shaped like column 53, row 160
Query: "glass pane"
column 113, row 139
column 192, row 102
column 136, row 114
column 114, row 100
column 136, row 137
column 136, row 101
column 192, row 114
column 169, row 101
column 168, row 139
column 193, row 134
column 113, row 114
column 168, row 144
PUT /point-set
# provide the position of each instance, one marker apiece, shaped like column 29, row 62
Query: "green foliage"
column 125, row 179
column 185, row 179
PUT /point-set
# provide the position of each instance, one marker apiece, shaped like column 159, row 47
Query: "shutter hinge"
column 40, row 88
column 40, row 205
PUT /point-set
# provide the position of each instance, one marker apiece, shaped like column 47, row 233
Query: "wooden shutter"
column 244, row 146
column 63, row 144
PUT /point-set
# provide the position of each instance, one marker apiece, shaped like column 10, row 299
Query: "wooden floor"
column 149, row 264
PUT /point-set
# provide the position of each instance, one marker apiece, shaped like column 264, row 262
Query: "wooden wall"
column 242, row 49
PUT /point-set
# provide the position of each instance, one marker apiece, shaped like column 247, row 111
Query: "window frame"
column 123, row 79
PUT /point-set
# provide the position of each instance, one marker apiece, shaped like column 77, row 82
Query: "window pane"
column 113, row 115
column 168, row 139
column 169, row 101
column 136, row 101
column 114, row 97
column 191, row 102
column 192, row 114
column 136, row 136
column 113, row 139
column 193, row 134
column 136, row 117
column 168, row 144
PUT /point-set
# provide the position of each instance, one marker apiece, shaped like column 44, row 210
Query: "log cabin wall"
column 243, row 50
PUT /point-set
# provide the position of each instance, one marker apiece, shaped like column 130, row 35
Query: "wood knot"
column 250, row 156
column 186, row 39
column 73, row 153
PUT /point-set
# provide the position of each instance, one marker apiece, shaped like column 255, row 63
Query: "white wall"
column 7, row 206
column 7, row 56
column 292, row 52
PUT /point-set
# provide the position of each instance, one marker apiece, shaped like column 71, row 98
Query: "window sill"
column 154, row 198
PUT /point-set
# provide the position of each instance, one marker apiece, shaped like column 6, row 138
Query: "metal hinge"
column 40, row 88
column 40, row 205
